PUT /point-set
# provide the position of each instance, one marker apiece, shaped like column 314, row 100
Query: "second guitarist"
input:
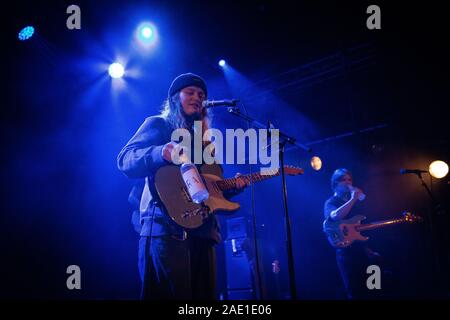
column 353, row 260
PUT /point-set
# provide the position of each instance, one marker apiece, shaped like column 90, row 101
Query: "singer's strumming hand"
column 166, row 151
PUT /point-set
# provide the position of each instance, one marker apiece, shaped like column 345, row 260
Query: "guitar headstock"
column 409, row 217
column 293, row 171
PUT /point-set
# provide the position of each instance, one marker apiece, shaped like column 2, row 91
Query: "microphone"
column 219, row 103
column 416, row 171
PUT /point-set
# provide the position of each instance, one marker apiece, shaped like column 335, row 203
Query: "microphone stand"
column 285, row 139
column 437, row 209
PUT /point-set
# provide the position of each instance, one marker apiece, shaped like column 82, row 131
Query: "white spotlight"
column 116, row 70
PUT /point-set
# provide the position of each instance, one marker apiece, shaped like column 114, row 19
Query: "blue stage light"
column 146, row 34
column 222, row 63
column 116, row 70
column 26, row 33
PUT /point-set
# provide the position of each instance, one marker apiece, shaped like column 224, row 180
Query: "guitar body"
column 343, row 233
column 216, row 201
column 178, row 204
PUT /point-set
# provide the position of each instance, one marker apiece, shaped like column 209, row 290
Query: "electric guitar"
column 343, row 233
column 178, row 204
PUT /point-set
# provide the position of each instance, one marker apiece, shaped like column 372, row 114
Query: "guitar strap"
column 147, row 198
column 150, row 202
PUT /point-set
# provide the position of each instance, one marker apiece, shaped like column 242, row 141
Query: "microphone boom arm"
column 259, row 125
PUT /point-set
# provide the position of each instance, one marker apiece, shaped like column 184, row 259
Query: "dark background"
column 313, row 69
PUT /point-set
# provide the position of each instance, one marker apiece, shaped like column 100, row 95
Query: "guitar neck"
column 230, row 183
column 379, row 224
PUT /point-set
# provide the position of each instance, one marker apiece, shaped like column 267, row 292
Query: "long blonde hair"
column 173, row 113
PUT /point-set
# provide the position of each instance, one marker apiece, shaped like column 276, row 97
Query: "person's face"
column 191, row 100
column 344, row 184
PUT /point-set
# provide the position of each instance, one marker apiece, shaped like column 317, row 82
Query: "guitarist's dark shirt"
column 352, row 260
column 141, row 158
column 335, row 202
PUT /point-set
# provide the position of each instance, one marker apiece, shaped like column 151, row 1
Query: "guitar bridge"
column 202, row 211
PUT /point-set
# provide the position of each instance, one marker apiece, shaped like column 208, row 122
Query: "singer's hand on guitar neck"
column 241, row 182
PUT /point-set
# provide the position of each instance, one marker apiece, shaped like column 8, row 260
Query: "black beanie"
column 187, row 80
